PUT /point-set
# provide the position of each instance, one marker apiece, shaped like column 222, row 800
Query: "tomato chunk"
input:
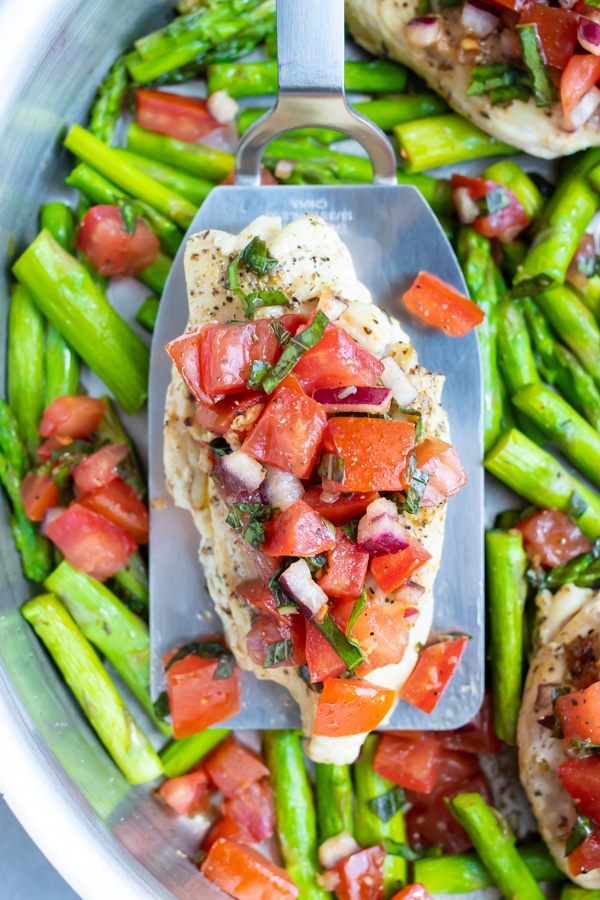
column 429, row 822
column 551, row 538
column 73, row 415
column 277, row 642
column 185, row 353
column 197, row 699
column 506, row 222
column 99, row 468
column 252, row 808
column 230, row 412
column 375, row 452
column 441, row 461
column 579, row 714
column 349, row 706
column 246, row 874
column 47, row 448
column 113, row 250
column 391, row 572
column 556, row 29
column 258, row 594
column 298, row 531
column 581, row 778
column 586, row 857
column 337, row 360
column 187, row 794
column 226, row 827
column 434, row 669
column 38, row 493
column 322, row 660
column 339, row 508
column 413, row 892
column 347, row 570
column 288, row 434
column 228, row 351
column 90, row 543
column 360, row 876
column 382, row 633
column 232, row 767
column 439, row 304
column 184, row 118
column 121, row 504
column 579, row 75
column 411, row 760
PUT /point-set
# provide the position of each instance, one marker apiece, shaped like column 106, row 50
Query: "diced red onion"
column 335, row 849
column 411, row 613
column 544, row 695
column 586, row 108
column 480, row 20
column 466, row 208
column 326, row 497
column 588, row 12
column 359, row 399
column 49, row 516
column 403, row 390
column 547, row 721
column 281, row 489
column 588, row 35
column 308, row 596
column 410, row 593
column 423, row 31
column 243, row 470
column 265, row 566
column 284, row 169
column 332, row 306
column 379, row 530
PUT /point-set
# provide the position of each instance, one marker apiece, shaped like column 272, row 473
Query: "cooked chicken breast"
column 312, row 262
column 379, row 26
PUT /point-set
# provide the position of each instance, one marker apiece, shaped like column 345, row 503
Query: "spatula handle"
column 310, row 49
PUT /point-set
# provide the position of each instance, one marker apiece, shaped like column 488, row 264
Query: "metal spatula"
column 391, row 234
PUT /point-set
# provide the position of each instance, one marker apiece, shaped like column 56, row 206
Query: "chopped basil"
column 413, row 496
column 331, row 467
column 577, row 506
column 520, row 91
column 543, row 87
column 558, row 691
column 318, row 564
column 304, row 673
column 585, row 748
column 258, row 370
column 256, row 258
column 501, row 82
column 161, row 706
column 510, row 517
column 581, row 830
column 260, row 299
column 494, row 201
column 200, row 857
column 406, row 852
column 349, row 650
column 65, row 458
column 278, row 652
column 252, row 529
column 295, row 348
column 210, row 649
column 359, row 605
column 530, row 287
column 281, row 333
column 129, row 213
column 387, row 805
column 414, row 416
column 220, row 447
column 350, row 529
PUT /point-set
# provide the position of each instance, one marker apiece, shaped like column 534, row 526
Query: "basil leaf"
column 558, row 691
column 258, row 370
column 414, row 415
column 210, row 649
column 304, row 673
column 318, row 564
column 520, row 91
column 350, row 529
column 281, row 333
column 297, row 345
column 493, row 202
column 530, row 287
column 251, row 529
column 581, row 830
column 543, row 87
column 359, row 606
column 331, row 467
column 406, row 852
column 161, row 706
column 387, row 805
column 260, row 299
column 501, row 82
column 413, row 496
column 256, row 257
column 220, row 447
column 129, row 214
column 278, row 652
column 585, row 748
column 349, row 651
column 577, row 506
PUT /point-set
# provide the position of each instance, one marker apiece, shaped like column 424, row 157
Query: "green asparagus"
column 178, row 756
column 147, row 313
column 34, row 549
column 25, row 371
column 107, row 106
column 511, row 175
column 575, row 324
column 334, row 800
column 440, row 140
column 197, row 159
column 196, row 190
column 11, row 444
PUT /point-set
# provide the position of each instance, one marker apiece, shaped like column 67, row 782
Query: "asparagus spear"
column 111, row 430
column 196, row 190
column 99, row 698
column 11, row 444
column 65, row 292
column 570, row 892
column 106, row 109
column 147, row 313
column 583, row 570
column 127, row 176
column 439, row 140
column 465, row 873
column 561, row 424
column 197, row 159
column 34, row 549
column 155, row 275
column 537, row 476
column 294, row 810
column 506, row 563
column 591, row 295
column 575, row 324
column 495, row 844
column 178, row 756
column 334, row 800
column 25, row 371
column 511, row 175
column 133, row 578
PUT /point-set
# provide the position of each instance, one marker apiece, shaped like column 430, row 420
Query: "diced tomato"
column 337, row 361
column 228, row 351
column 440, row 460
column 376, row 453
column 579, row 75
column 581, row 778
column 579, row 714
column 350, row 706
column 185, row 353
column 411, row 760
column 347, row 568
column 197, row 699
column 586, row 857
column 505, row 223
column 439, row 304
column 391, row 572
column 434, row 669
column 551, row 538
column 184, row 118
column 246, row 874
column 104, row 239
column 267, row 631
column 456, row 767
column 297, row 531
column 38, row 493
column 258, row 594
column 252, row 808
column 226, row 827
column 99, row 468
column 232, row 767
column 429, row 822
column 343, row 508
column 478, row 736
column 381, row 632
column 556, row 29
column 45, row 450
column 413, row 892
column 288, row 434
column 360, row 876
column 121, row 504
column 73, row 415
column 90, row 543
column 322, row 660
column 229, row 412
column 187, row 794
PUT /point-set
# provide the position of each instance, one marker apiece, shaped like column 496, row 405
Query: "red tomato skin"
column 411, row 761
column 90, row 543
column 228, row 351
column 361, row 875
column 322, row 660
column 586, row 857
column 392, row 571
column 45, row 450
column 429, row 822
column 226, row 827
column 246, row 874
column 38, row 493
column 343, row 509
column 579, row 714
column 289, row 433
column 267, row 630
column 120, row 503
column 579, row 75
column 347, row 570
column 581, row 779
column 99, row 468
column 232, row 767
column 438, row 303
column 375, row 453
column 478, row 736
column 456, row 767
column 413, row 892
column 257, row 593
column 505, row 223
column 556, row 29
column 382, row 632
column 298, row 531
column 183, row 118
column 441, row 461
column 252, row 808
column 349, row 706
column 74, row 416
column 337, row 360
column 434, row 669
column 187, row 794
column 185, row 353
column 103, row 239
column 550, row 537
column 219, row 418
column 196, row 699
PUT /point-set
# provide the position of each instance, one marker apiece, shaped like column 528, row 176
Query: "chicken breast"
column 312, row 263
column 572, row 613
column 379, row 26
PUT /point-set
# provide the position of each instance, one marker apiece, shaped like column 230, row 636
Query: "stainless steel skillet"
column 391, row 234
